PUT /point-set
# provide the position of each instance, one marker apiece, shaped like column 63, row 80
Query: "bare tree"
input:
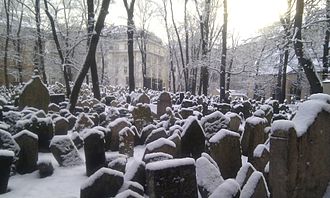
column 304, row 62
column 326, row 43
column 224, row 53
column 90, row 58
column 8, row 32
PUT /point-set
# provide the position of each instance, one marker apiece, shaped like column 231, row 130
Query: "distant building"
column 114, row 49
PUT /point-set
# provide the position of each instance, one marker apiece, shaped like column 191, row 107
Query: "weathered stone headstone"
column 158, row 156
column 244, row 174
column 255, row 186
column 253, row 135
column 132, row 187
column 283, row 159
column 208, row 176
column 192, row 139
column 142, row 116
column 235, row 121
column 226, row 151
column 94, row 151
column 156, row 134
column 172, row 177
column 145, row 132
column 83, row 121
column 64, row 151
column 118, row 164
column 126, row 141
column 61, row 126
column 34, row 94
column 28, row 155
column 164, row 101
column 103, row 183
column 161, row 145
column 260, row 157
column 228, row 189
column 6, row 159
column 53, row 107
column 115, row 127
column 143, row 98
column 213, row 123
column 7, row 142
column 136, row 172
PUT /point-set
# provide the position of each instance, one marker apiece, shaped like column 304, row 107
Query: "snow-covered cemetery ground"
column 160, row 144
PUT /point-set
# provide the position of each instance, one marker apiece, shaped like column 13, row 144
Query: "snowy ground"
column 64, row 183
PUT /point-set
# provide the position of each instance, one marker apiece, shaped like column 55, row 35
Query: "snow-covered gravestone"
column 7, row 142
column 226, row 151
column 235, row 121
column 64, row 151
column 116, row 126
column 28, row 155
column 253, row 135
column 83, row 121
column 142, row 98
column 6, row 159
column 126, row 141
column 208, row 176
column 244, row 174
column 136, row 172
column 172, row 177
column 163, row 102
column 213, row 123
column 192, row 139
column 228, row 189
column 103, row 183
column 161, row 145
column 283, row 158
column 260, row 157
column 94, row 150
column 142, row 116
column 34, row 94
column 310, row 164
column 61, row 126
column 255, row 187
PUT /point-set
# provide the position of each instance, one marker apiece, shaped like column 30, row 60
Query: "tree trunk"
column 40, row 57
column 285, row 65
column 325, row 59
column 130, row 43
column 5, row 58
column 18, row 48
column 103, row 64
column 90, row 58
column 278, row 91
column 224, row 54
column 185, row 74
column 59, row 50
column 305, row 63
column 229, row 74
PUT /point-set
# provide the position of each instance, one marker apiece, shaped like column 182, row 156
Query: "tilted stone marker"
column 64, row 151
column 164, row 101
column 28, row 155
column 116, row 126
column 126, row 142
column 34, row 94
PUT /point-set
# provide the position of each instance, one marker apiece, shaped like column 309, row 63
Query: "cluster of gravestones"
column 193, row 144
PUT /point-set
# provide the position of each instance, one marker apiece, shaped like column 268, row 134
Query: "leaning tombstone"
column 228, row 189
column 64, row 151
column 164, row 101
column 34, row 94
column 255, row 186
column 28, row 155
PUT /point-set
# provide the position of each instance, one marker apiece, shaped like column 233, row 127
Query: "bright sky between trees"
column 246, row 17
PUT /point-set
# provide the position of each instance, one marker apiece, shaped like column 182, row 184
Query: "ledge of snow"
column 7, row 153
column 221, row 134
column 164, row 164
column 98, row 174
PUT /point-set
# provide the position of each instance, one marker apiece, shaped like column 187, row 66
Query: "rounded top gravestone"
column 34, row 94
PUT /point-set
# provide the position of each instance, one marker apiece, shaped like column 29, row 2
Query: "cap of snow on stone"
column 6, row 153
column 159, row 143
column 282, row 125
column 128, row 193
column 320, row 96
column 254, row 120
column 307, row 113
column 26, row 132
column 259, row 150
column 88, row 132
column 222, row 134
column 117, row 121
column 251, row 185
column 91, row 180
column 172, row 163
column 229, row 188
